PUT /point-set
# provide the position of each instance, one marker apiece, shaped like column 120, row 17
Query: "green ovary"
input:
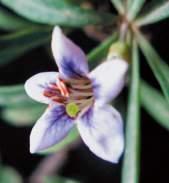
column 72, row 109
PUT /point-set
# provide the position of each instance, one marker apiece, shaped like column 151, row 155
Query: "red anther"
column 63, row 89
column 48, row 93
column 58, row 99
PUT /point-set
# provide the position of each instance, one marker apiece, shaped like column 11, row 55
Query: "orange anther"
column 63, row 89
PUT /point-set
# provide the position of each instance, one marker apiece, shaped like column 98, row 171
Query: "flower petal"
column 36, row 85
column 70, row 59
column 109, row 79
column 102, row 131
column 51, row 128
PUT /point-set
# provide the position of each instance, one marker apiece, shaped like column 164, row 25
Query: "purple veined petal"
column 70, row 59
column 36, row 85
column 50, row 129
column 102, row 131
column 109, row 79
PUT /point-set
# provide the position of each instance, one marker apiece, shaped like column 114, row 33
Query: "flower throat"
column 76, row 94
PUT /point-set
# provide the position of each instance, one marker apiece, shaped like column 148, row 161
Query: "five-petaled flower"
column 77, row 96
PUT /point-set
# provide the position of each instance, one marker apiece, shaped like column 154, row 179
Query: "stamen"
column 86, row 103
column 49, row 93
column 77, row 101
column 58, row 99
column 81, row 81
column 62, row 88
column 75, row 94
column 82, row 86
column 81, row 94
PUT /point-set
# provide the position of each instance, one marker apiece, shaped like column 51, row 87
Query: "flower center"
column 76, row 94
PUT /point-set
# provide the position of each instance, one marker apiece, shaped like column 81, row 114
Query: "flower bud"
column 119, row 49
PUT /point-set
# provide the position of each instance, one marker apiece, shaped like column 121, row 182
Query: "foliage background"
column 80, row 164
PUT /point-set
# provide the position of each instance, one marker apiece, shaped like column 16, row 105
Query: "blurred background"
column 76, row 161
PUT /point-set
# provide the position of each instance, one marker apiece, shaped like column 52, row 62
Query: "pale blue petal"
column 36, row 85
column 109, row 79
column 101, row 129
column 50, row 129
column 70, row 59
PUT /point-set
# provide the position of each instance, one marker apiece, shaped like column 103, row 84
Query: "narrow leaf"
column 24, row 35
column 155, row 63
column 14, row 96
column 9, row 175
column 56, row 12
column 100, row 52
column 134, row 8
column 130, row 173
column 12, row 22
column 157, row 11
column 75, row 1
column 165, row 68
column 17, row 108
column 22, row 115
column 129, row 3
column 155, row 104
column 118, row 4
column 58, row 180
column 16, row 44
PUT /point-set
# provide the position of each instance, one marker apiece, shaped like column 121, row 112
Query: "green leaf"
column 58, row 180
column 15, row 45
column 165, row 68
column 157, row 11
column 72, row 136
column 56, row 12
column 18, row 109
column 24, row 35
column 134, row 7
column 9, row 175
column 75, row 1
column 100, row 52
column 156, row 64
column 155, row 104
column 22, row 116
column 130, row 173
column 14, row 96
column 118, row 4
column 129, row 3
column 12, row 22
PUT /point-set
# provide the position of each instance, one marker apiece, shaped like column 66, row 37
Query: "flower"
column 76, row 96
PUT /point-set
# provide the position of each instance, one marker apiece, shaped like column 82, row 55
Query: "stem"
column 51, row 165
column 131, row 162
column 123, row 31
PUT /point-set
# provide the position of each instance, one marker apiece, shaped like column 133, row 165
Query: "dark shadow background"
column 82, row 164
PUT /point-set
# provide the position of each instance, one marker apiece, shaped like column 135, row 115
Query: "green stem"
column 130, row 172
column 100, row 52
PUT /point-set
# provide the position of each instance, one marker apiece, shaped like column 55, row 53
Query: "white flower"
column 76, row 96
